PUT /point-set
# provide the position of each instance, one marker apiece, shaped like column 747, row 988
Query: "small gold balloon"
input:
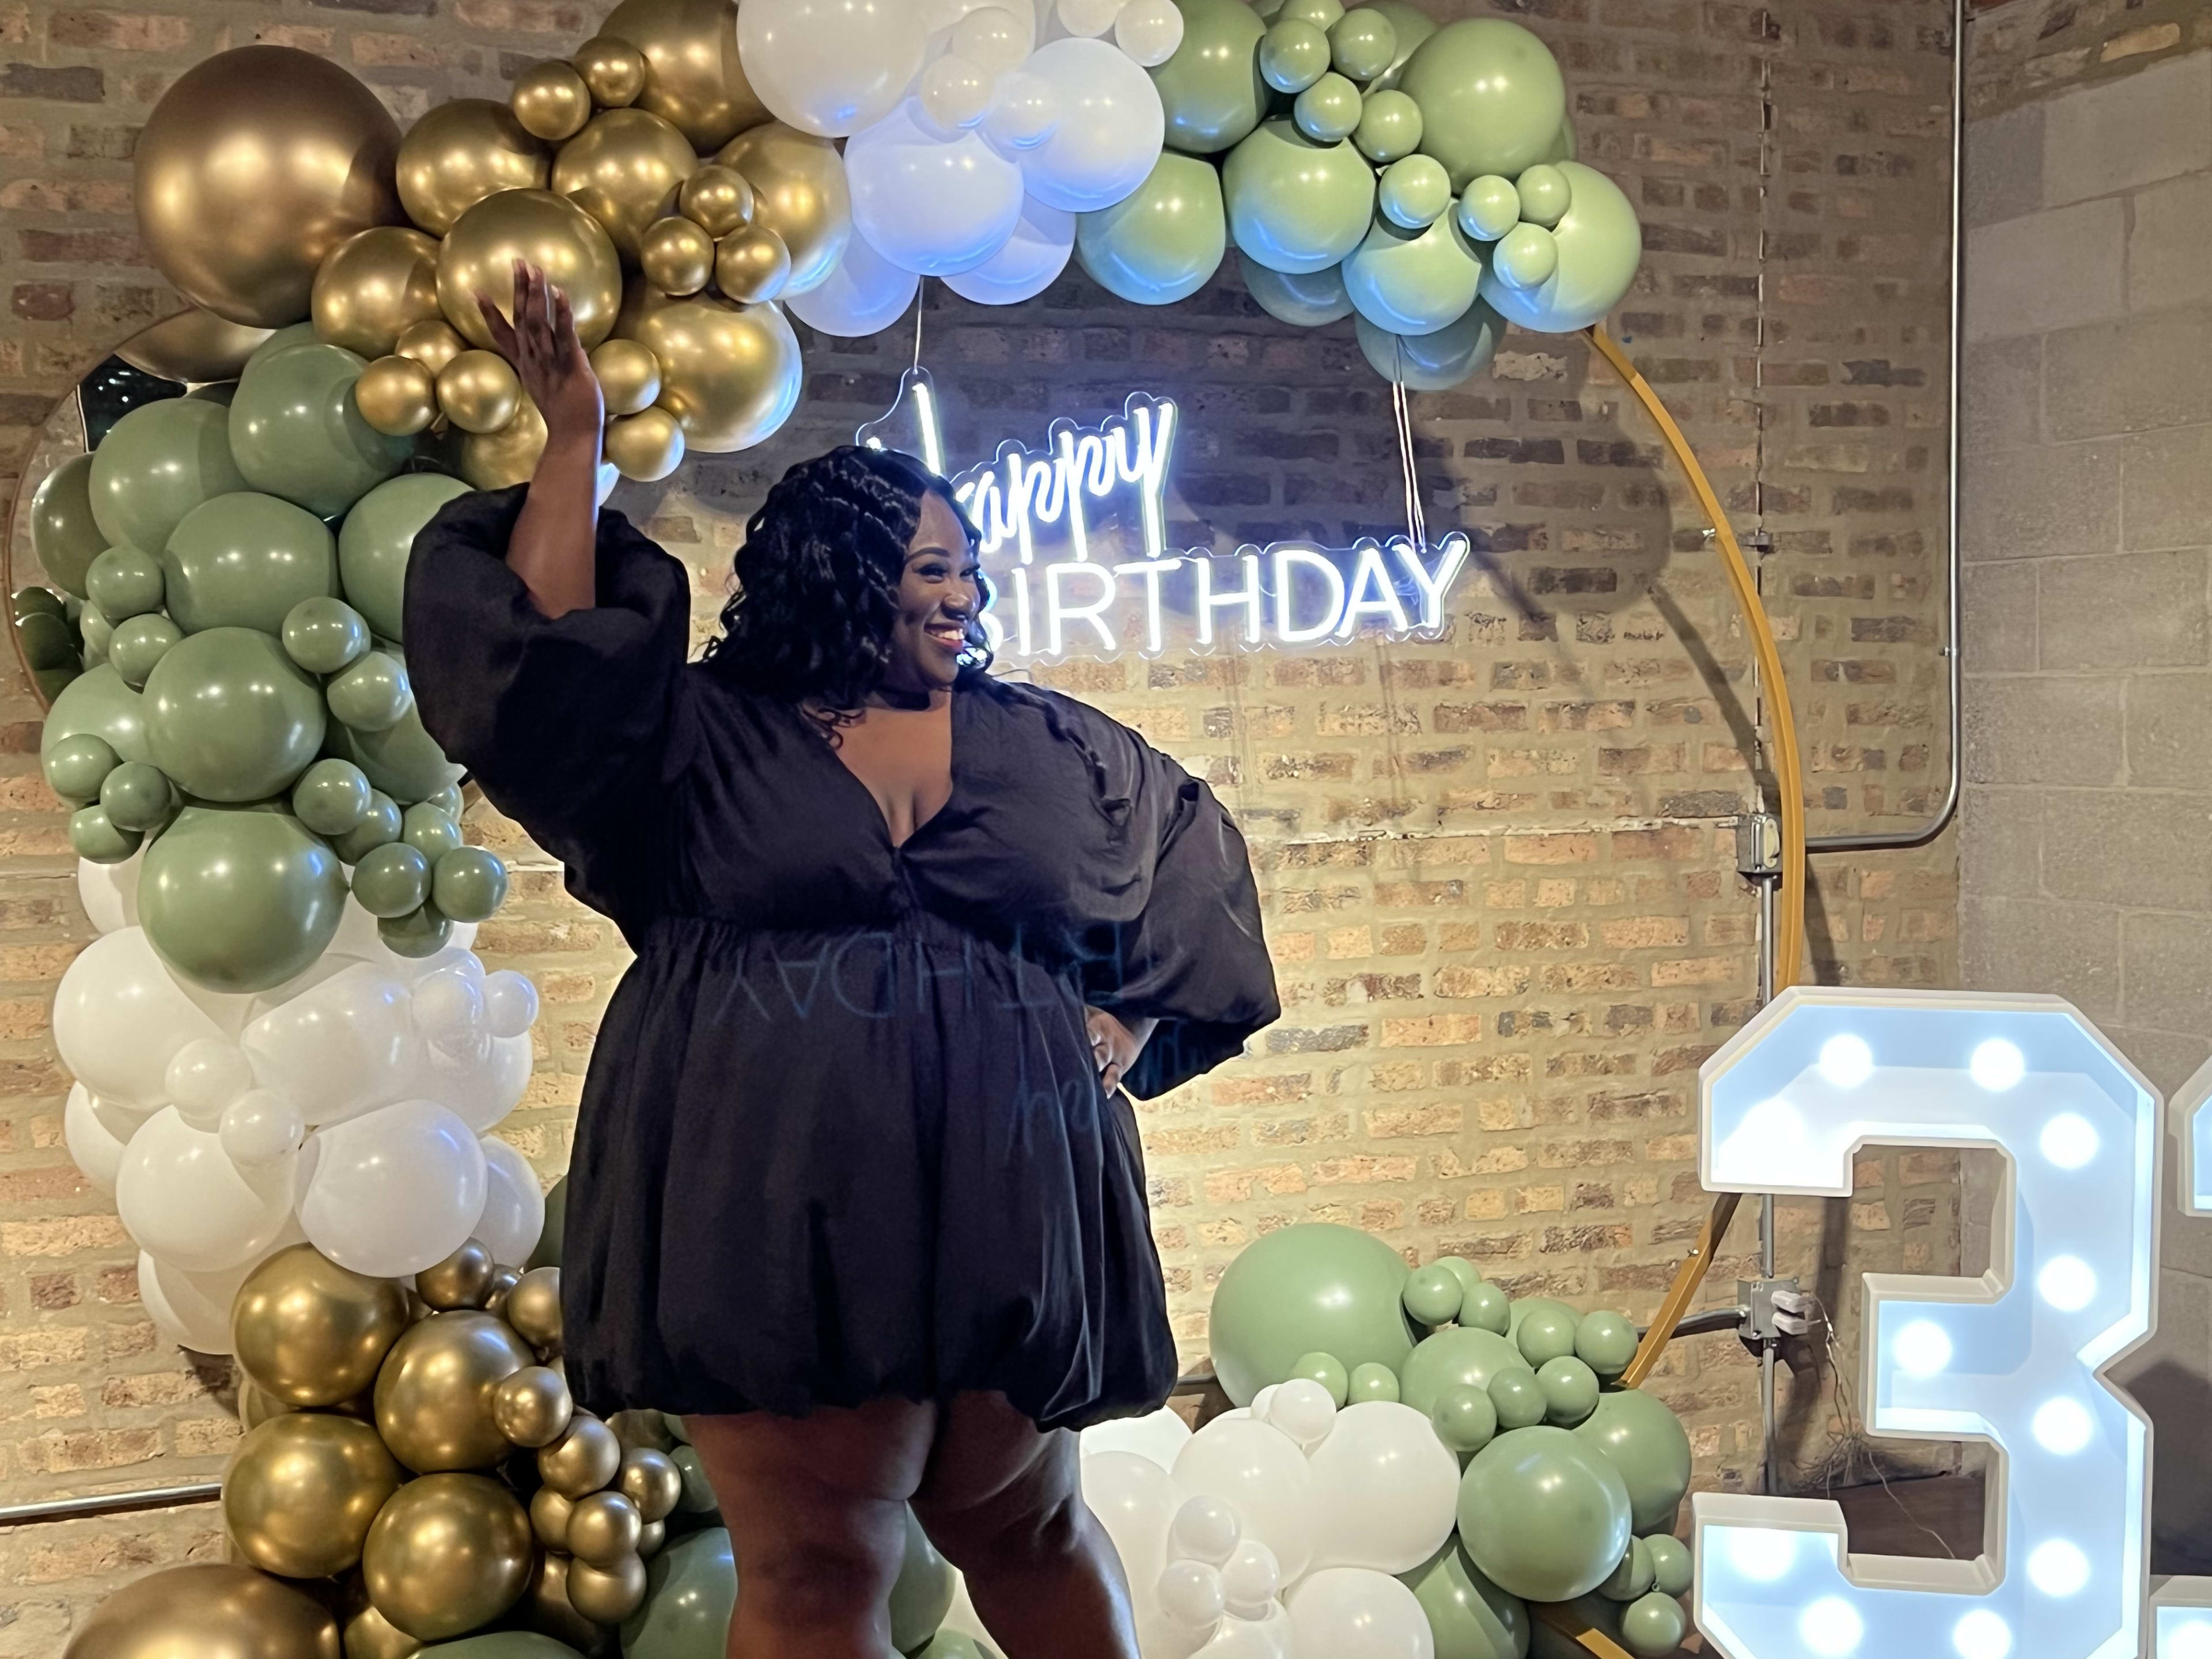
column 549, row 1517
column 629, row 375
column 300, row 1492
column 613, row 70
column 311, row 1333
column 717, row 199
column 730, row 374
column 799, row 193
column 494, row 461
column 752, row 264
column 650, row 1538
column 434, row 1396
column 373, row 285
column 461, row 152
column 397, row 395
column 602, row 1527
column 546, row 1607
column 207, row 1610
column 624, row 169
column 676, row 256
column 641, row 1427
column 256, row 1406
column 584, row 1459
column 434, row 343
column 551, row 100
column 532, row 1407
column 478, row 391
column 448, row 1553
column 607, row 1595
column 193, row 346
column 647, row 447
column 502, row 1281
column 533, row 1307
column 370, row 1635
column 651, row 1480
column 693, row 77
column 463, row 1279
column 546, row 230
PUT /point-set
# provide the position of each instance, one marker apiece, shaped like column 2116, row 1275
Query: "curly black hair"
column 818, row 582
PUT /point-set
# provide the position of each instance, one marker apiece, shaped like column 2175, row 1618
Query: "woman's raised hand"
column 548, row 357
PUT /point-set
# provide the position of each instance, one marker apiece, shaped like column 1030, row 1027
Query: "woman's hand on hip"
column 542, row 343
column 1114, row 1045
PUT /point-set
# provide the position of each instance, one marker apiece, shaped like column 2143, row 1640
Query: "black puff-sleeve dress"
column 842, row 1135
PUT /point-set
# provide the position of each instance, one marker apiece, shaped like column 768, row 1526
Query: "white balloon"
column 394, row 1190
column 339, row 1048
column 261, row 1128
column 1350, row 1612
column 1030, row 262
column 1023, row 111
column 1268, row 1637
column 1190, row 1592
column 955, row 93
column 205, row 1076
column 119, row 1018
column 1264, row 1399
column 482, row 1081
column 95, row 1132
column 357, row 937
column 996, row 38
column 454, row 953
column 1250, row 1579
column 1088, row 17
column 1303, row 1409
column 864, row 292
column 1205, row 1529
column 1158, row 1435
column 109, row 892
column 1387, row 1488
column 192, row 1310
column 183, row 1200
column 514, row 1205
column 1159, row 1637
column 930, row 205
column 1261, row 1470
column 829, row 67
column 1107, row 137
column 1135, row 1501
column 510, row 1003
column 449, row 1006
column 1149, row 31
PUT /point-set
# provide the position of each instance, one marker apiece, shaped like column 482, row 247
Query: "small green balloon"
column 46, row 641
column 240, row 899
column 1653, row 1626
column 292, row 334
column 92, row 625
column 64, row 533
column 1210, row 91
column 1470, row 1617
column 1489, row 207
column 1362, row 42
column 1327, row 1370
column 392, row 880
column 1328, row 110
column 1545, row 195
column 1525, row 257
column 1569, row 1390
column 1164, row 240
column 1565, row 147
column 379, row 827
column 691, row 1588
column 1305, row 301
column 1312, row 1287
column 1413, row 282
column 1646, row 1441
column 331, row 798
column 1492, row 97
column 447, row 801
column 323, row 635
column 124, row 582
column 698, row 1492
column 379, row 535
column 468, row 883
column 500, row 1644
column 956, row 1644
column 403, row 760
column 136, row 644
column 1370, row 1381
column 1323, row 15
column 1461, row 1268
column 1632, row 1577
column 296, row 432
column 372, row 694
column 1413, row 192
column 1544, row 1516
column 1486, row 1307
column 98, row 702
column 137, row 797
column 1390, row 127
column 229, row 718
column 1433, row 1294
column 244, row 560
column 923, row 1593
column 1598, row 246
column 422, row 932
column 1455, row 1357
column 1466, row 1418
column 97, row 837
column 157, row 463
column 1518, row 1398
column 1671, row 1571
column 44, row 600
column 1414, row 26
column 1546, row 1332
column 1605, row 1342
column 1295, row 206
column 75, row 767
column 428, row 831
column 1293, row 55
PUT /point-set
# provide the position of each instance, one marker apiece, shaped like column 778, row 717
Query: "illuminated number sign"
column 2016, row 1357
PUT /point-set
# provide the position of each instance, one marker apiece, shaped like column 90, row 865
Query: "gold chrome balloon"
column 584, row 1459
column 552, row 233
column 650, row 1538
column 478, row 391
column 397, row 396
column 602, row 1527
column 193, row 346
column 463, row 1279
column 533, row 1307
column 651, row 1480
column 613, row 70
column 433, row 1395
column 752, row 264
column 717, row 199
column 207, row 1610
column 310, row 1333
column 551, row 100
column 607, row 1595
column 549, row 1517
column 676, row 255
column 434, row 343
column 532, row 1407
column 503, row 1279
column 692, row 75
column 546, row 1607
column 730, row 374
column 300, row 1492
column 624, row 170
column 494, row 461
column 254, row 165
column 448, row 1553
column 370, row 1635
column 256, row 1407
column 373, row 285
column 799, row 193
column 630, row 376
column 461, row 152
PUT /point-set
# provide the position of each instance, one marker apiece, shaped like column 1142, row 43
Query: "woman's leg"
column 1005, row 1504
column 816, row 1508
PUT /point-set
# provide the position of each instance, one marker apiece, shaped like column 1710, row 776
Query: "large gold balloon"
column 494, row 461
column 461, row 152
column 676, row 255
column 533, row 1307
column 613, row 70
column 650, row 1479
column 692, row 75
column 624, row 170
column 300, row 1492
column 647, row 446
column 479, row 392
column 730, row 374
column 532, row 1407
column 207, row 1611
column 193, row 346
column 602, row 1527
column 311, row 1333
column 607, row 1595
column 433, row 1395
column 629, row 375
column 373, row 285
column 254, row 165
column 463, row 1279
column 433, row 345
column 397, row 396
column 552, row 233
column 448, row 1553
column 799, row 193
column 583, row 1460
column 551, row 100
column 752, row 264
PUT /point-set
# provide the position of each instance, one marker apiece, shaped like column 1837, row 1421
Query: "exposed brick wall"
column 1499, row 870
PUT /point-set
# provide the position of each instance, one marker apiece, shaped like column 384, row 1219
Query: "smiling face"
column 940, row 595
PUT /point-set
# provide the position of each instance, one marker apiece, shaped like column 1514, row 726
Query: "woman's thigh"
column 992, row 1473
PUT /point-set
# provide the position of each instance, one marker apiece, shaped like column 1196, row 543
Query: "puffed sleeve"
column 569, row 723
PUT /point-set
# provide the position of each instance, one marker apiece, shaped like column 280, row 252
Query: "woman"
column 854, row 1190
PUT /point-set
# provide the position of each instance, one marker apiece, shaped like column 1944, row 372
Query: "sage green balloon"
column 244, row 560
column 1293, row 55
column 1565, row 147
column 1518, row 1399
column 1327, row 1370
column 1294, row 205
column 500, row 1644
column 46, row 642
column 136, row 644
column 1433, row 1294
column 372, row 694
column 1605, row 1342
column 1492, row 97
column 1413, row 282
column 1438, row 361
column 923, row 1593
column 1653, row 1626
column 1632, row 1577
column 1414, row 26
column 392, row 880
column 100, row 703
column 1370, row 1381
column 1569, row 1390
column 76, row 766
column 64, row 533
column 296, row 432
column 378, row 826
column 157, row 463
column 1470, row 1617
column 1307, row 300
column 690, row 1590
column 377, row 536
column 1323, row 15
column 1671, row 1569
column 1542, row 1516
column 1524, row 1306
column 93, row 624
column 323, row 635
column 1546, row 1332
column 124, row 582
column 1524, row 257
column 1545, row 195
column 1489, row 207
column 1413, row 192
column 698, row 1490
column 1486, row 1308
column 447, row 801
column 1164, row 241
column 292, row 334
column 1456, row 1357
column 677, row 1429
column 137, row 797
column 1599, row 244
column 428, row 831
column 240, row 899
column 1643, row 1438
column 1328, row 110
column 1362, row 42
column 331, row 798
column 1312, row 1287
column 35, row 601
column 97, row 838
column 1465, row 1419
column 230, row 717
column 1211, row 88
column 1461, row 1268
column 956, row 1644
column 422, row 932
column 1389, row 128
